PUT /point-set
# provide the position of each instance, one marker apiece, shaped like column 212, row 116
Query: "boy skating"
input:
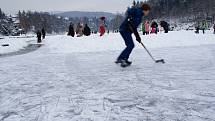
column 129, row 26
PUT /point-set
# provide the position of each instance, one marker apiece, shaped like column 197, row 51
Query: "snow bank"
column 15, row 44
column 112, row 42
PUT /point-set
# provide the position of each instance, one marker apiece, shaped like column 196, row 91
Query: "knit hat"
column 146, row 7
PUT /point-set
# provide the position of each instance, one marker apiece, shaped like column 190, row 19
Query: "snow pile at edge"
column 15, row 44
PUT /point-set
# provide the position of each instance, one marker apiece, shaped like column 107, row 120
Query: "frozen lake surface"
column 50, row 84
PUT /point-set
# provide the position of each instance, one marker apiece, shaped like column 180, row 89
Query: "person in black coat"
column 71, row 30
column 43, row 33
column 87, row 30
column 197, row 30
column 214, row 28
column 39, row 35
column 165, row 26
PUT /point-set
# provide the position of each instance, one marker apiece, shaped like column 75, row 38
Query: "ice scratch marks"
column 122, row 104
column 75, row 107
column 7, row 115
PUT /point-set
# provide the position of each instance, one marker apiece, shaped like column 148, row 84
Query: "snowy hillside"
column 76, row 79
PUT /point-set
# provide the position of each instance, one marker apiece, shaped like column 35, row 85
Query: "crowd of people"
column 203, row 26
column 84, row 30
column 147, row 28
column 80, row 30
column 154, row 27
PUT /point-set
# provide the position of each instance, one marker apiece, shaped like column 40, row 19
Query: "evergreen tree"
column 182, row 8
column 2, row 14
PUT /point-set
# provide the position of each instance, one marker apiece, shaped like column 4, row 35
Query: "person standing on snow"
column 129, row 26
column 197, row 30
column 71, row 30
column 147, row 27
column 102, row 26
column 204, row 26
column 87, row 30
column 44, row 33
column 143, row 28
column 39, row 35
column 154, row 27
column 214, row 28
column 79, row 30
column 165, row 26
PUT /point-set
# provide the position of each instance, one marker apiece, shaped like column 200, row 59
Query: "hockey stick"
column 156, row 61
column 132, row 28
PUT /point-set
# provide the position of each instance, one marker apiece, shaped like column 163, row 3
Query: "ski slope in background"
column 75, row 79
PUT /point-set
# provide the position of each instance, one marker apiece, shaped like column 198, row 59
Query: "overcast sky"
column 65, row 5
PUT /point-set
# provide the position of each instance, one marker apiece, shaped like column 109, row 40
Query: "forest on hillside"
column 194, row 10
column 29, row 21
column 183, row 11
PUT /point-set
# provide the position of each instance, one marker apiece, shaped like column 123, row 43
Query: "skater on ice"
column 129, row 26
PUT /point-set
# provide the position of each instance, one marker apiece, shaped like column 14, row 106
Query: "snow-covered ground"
column 94, row 43
column 15, row 44
column 75, row 79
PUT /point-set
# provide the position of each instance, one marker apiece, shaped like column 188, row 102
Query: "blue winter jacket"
column 135, row 14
